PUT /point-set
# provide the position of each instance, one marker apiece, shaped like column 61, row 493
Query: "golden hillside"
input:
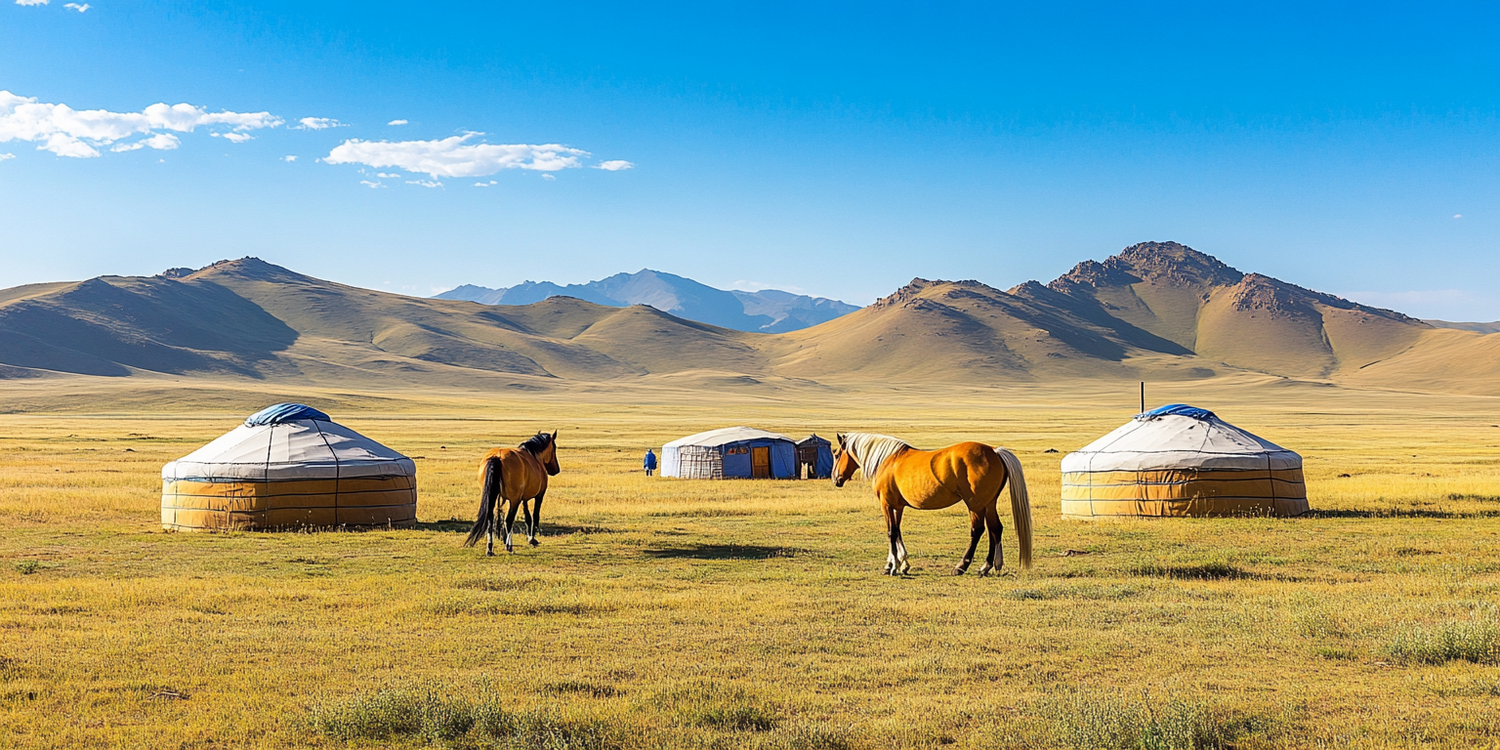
column 1155, row 311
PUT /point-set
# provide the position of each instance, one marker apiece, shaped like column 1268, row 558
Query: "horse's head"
column 844, row 464
column 544, row 447
column 549, row 455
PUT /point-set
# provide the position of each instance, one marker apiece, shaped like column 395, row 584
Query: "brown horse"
column 514, row 475
column 973, row 473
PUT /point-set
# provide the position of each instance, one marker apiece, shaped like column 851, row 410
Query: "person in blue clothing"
column 650, row 462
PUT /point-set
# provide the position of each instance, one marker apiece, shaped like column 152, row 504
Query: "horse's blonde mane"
column 870, row 450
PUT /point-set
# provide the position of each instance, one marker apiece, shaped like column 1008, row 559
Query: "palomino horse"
column 514, row 475
column 903, row 476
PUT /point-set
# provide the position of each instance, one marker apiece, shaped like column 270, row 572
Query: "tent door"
column 760, row 463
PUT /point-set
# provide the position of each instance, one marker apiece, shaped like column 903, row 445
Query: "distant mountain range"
column 765, row 311
column 1156, row 310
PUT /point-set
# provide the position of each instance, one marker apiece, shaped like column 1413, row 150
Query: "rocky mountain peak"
column 1168, row 263
column 904, row 294
column 1174, row 263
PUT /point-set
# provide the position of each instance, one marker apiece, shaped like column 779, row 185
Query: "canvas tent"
column 289, row 466
column 816, row 454
column 1180, row 460
column 730, row 453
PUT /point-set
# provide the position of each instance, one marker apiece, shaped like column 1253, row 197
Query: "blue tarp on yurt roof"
column 1176, row 410
column 282, row 413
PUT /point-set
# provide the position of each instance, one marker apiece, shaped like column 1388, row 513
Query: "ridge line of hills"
column 1156, row 310
column 765, row 311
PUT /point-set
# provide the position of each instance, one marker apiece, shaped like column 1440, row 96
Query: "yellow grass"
column 664, row 613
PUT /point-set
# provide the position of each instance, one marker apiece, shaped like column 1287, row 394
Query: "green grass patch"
column 441, row 716
column 27, row 567
column 1111, row 720
column 1475, row 640
column 721, row 707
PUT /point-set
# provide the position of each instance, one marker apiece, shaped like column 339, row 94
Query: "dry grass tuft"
column 1476, row 639
column 1114, row 720
column 436, row 716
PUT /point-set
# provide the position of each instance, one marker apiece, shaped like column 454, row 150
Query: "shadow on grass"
column 450, row 525
column 1211, row 571
column 1401, row 513
column 564, row 529
column 724, row 552
column 455, row 525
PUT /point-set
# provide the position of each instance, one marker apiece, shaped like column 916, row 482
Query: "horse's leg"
column 976, row 530
column 510, row 520
column 526, row 516
column 891, row 526
column 902, row 566
column 535, row 522
column 996, row 558
column 489, row 547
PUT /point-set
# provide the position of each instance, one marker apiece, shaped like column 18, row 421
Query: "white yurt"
column 1179, row 460
column 730, row 453
column 289, row 466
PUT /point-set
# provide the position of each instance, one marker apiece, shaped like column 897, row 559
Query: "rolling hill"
column 765, row 311
column 1154, row 311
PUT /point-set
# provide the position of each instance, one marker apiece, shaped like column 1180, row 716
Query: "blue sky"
column 835, row 149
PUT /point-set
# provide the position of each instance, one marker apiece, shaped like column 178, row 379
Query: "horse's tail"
column 489, row 493
column 1020, row 503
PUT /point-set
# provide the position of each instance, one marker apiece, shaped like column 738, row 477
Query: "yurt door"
column 760, row 463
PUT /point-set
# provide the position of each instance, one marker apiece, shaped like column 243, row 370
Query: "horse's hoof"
column 985, row 571
column 489, row 553
column 959, row 570
column 535, row 543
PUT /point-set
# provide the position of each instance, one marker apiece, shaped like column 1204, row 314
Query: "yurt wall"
column 289, row 466
column 1179, row 460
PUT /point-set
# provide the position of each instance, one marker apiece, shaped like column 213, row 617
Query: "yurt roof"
column 725, row 436
column 309, row 447
column 813, row 439
column 282, row 413
column 1179, row 436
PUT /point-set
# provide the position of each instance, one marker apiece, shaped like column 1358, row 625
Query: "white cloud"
column 234, row 137
column 397, row 122
column 453, row 157
column 289, row 157
column 387, row 175
column 549, row 177
column 31, row 2
column 482, row 184
column 425, row 183
column 75, row 6
column 3, row 157
column 371, row 183
column 1458, row 216
column 160, row 142
column 614, row 165
column 66, row 145
column 80, row 133
column 319, row 123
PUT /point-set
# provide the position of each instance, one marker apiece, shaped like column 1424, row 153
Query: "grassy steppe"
column 662, row 613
